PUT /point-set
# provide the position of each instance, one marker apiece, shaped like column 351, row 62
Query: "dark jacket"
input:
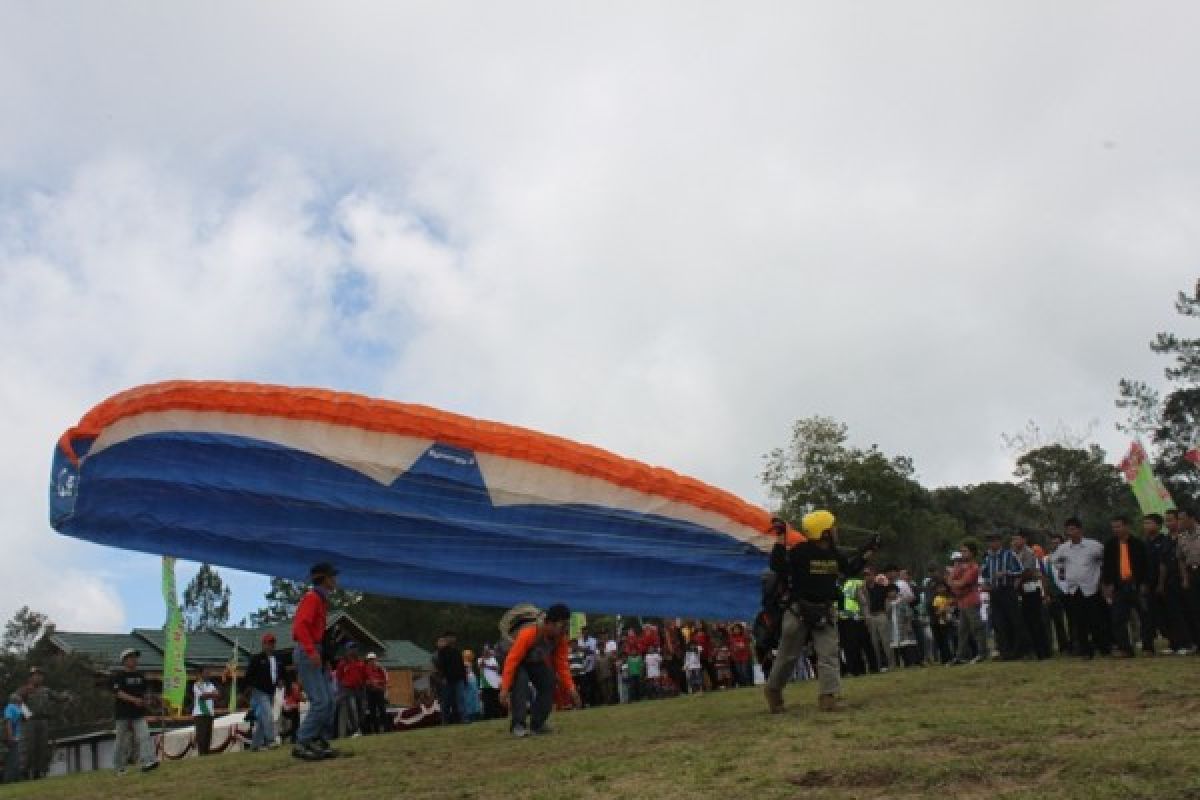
column 258, row 673
column 814, row 571
column 1110, row 573
column 449, row 661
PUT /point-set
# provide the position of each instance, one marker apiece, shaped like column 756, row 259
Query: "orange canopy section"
column 385, row 416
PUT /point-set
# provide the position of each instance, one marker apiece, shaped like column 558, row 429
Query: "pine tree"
column 206, row 600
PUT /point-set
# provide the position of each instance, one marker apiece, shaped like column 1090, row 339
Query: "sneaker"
column 356, row 734
column 520, row 731
column 153, row 765
column 1185, row 651
column 306, row 752
column 542, row 731
column 323, row 747
column 273, row 746
column 975, row 660
column 1168, row 652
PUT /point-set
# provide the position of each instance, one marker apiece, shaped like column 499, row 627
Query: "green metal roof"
column 403, row 654
column 213, row 648
column 204, row 648
column 105, row 648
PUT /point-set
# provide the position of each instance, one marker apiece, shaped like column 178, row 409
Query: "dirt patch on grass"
column 865, row 778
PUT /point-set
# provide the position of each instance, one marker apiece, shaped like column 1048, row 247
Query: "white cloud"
column 666, row 232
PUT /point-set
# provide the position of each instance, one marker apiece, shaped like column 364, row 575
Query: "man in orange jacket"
column 538, row 656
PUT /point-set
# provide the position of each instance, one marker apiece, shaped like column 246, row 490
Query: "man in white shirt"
column 204, row 698
column 1077, row 563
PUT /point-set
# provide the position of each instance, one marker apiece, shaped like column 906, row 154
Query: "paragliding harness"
column 511, row 623
column 768, row 623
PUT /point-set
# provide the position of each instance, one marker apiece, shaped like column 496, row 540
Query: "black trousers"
column 1033, row 615
column 1089, row 618
column 853, row 642
column 941, row 641
column 1190, row 606
column 204, row 726
column 1057, row 616
column 1127, row 601
column 538, row 679
column 377, row 721
column 1011, row 639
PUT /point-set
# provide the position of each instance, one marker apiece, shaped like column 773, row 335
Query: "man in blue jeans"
column 263, row 675
column 308, row 630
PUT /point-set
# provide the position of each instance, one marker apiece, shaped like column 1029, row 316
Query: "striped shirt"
column 1001, row 568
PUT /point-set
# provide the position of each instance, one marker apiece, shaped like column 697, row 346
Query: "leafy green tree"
column 1064, row 482
column 206, row 600
column 24, row 630
column 984, row 507
column 1172, row 421
column 868, row 491
column 284, row 595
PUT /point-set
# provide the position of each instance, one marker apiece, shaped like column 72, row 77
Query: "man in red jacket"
column 308, row 630
column 538, row 655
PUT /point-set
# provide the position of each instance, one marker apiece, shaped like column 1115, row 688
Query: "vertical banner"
column 231, row 671
column 174, row 670
column 1152, row 496
column 578, row 620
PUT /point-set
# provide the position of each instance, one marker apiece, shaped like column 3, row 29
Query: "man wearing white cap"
column 129, row 693
column 377, row 680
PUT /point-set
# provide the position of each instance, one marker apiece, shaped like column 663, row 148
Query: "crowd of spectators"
column 1021, row 596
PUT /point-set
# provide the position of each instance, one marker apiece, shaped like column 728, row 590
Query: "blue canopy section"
column 434, row 534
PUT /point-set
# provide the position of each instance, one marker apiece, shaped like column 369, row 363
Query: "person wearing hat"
column 129, row 695
column 377, row 683
column 538, row 657
column 813, row 569
column 308, row 631
column 35, row 734
column 964, row 585
column 263, row 675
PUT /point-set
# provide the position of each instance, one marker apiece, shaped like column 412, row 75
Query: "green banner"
column 175, row 634
column 578, row 620
column 1152, row 496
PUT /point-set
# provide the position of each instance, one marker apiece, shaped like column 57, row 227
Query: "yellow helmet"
column 816, row 523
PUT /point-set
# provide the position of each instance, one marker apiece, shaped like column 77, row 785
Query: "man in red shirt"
column 308, row 630
column 377, row 681
column 352, row 686
column 964, row 584
column 739, row 654
column 538, row 656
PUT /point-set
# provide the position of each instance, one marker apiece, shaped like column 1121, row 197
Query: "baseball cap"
column 371, row 655
column 130, row 651
column 322, row 570
column 956, row 555
column 268, row 637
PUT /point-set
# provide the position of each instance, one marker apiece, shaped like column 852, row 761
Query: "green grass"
column 1105, row 729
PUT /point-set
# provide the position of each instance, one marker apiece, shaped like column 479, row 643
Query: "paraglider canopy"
column 406, row 500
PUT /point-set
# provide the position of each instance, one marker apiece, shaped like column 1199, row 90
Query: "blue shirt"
column 12, row 713
column 1000, row 568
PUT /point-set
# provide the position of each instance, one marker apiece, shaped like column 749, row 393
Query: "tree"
column 990, row 506
column 24, row 630
column 867, row 490
column 1065, row 482
column 284, row 595
column 1173, row 420
column 206, row 600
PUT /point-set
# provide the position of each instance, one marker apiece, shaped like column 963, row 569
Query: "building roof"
column 105, row 648
column 211, row 649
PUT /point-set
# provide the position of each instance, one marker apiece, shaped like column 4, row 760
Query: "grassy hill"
column 1105, row 729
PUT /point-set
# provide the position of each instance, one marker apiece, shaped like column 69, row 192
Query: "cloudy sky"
column 668, row 229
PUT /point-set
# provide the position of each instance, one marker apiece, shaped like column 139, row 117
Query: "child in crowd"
column 694, row 670
column 903, row 638
column 653, row 661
